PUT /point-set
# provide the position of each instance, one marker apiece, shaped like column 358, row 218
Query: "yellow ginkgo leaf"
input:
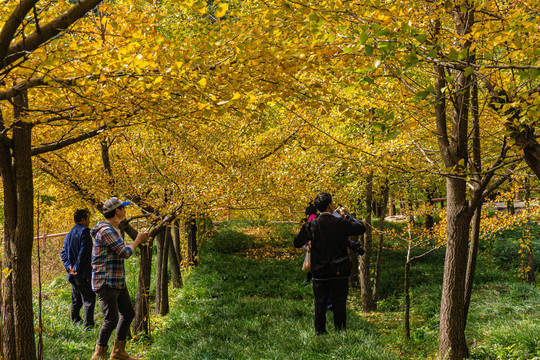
column 221, row 10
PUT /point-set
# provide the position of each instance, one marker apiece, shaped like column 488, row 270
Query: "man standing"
column 108, row 279
column 330, row 263
column 76, row 255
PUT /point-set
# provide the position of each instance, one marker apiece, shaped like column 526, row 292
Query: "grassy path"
column 236, row 308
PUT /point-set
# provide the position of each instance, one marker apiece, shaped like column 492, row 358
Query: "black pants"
column 113, row 302
column 82, row 295
column 339, row 289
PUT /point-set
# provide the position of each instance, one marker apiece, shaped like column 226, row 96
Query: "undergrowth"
column 247, row 300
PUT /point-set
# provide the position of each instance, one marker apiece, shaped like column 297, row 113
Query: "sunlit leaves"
column 240, row 80
column 221, row 10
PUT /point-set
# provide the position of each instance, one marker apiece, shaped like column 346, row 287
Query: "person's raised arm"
column 354, row 226
column 141, row 238
column 302, row 238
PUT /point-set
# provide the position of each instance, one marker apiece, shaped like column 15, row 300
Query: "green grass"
column 235, row 307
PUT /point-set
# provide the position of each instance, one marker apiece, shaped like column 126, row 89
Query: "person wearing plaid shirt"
column 109, row 281
column 108, row 256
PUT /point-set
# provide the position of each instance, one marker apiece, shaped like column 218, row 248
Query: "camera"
column 357, row 246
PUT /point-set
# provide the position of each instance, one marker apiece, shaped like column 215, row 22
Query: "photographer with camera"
column 330, row 262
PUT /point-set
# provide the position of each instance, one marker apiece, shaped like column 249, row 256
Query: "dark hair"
column 322, row 201
column 311, row 209
column 110, row 214
column 80, row 215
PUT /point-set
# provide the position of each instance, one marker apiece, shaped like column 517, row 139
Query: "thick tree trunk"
column 382, row 215
column 17, row 179
column 455, row 153
column 531, row 155
column 21, row 245
column 10, row 224
column 368, row 302
column 452, row 343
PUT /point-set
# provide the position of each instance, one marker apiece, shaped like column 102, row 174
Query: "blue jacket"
column 77, row 252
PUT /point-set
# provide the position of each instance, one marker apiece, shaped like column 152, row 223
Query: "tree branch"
column 280, row 145
column 11, row 25
column 46, row 167
column 34, row 82
column 19, row 87
column 424, row 254
column 66, row 142
column 45, row 33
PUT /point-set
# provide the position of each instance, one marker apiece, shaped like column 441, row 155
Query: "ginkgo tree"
column 445, row 54
column 435, row 59
column 258, row 103
column 63, row 91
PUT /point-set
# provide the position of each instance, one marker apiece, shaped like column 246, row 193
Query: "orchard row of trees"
column 184, row 108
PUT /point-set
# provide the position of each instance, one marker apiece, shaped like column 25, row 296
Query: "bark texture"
column 382, row 214
column 368, row 302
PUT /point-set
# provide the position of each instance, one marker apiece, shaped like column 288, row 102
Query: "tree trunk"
column 410, row 207
column 354, row 280
column 368, row 302
column 106, row 160
column 17, row 179
column 141, row 322
column 471, row 262
column 159, row 277
column 176, row 240
column 191, row 231
column 382, row 215
column 22, row 253
column 164, row 279
column 429, row 222
column 407, row 298
column 142, row 303
column 174, row 263
column 455, row 153
column 452, row 343
column 531, row 278
column 477, row 217
column 531, row 150
column 10, row 224
column 429, row 216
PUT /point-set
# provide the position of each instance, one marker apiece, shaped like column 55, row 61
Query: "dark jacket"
column 329, row 237
column 77, row 252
